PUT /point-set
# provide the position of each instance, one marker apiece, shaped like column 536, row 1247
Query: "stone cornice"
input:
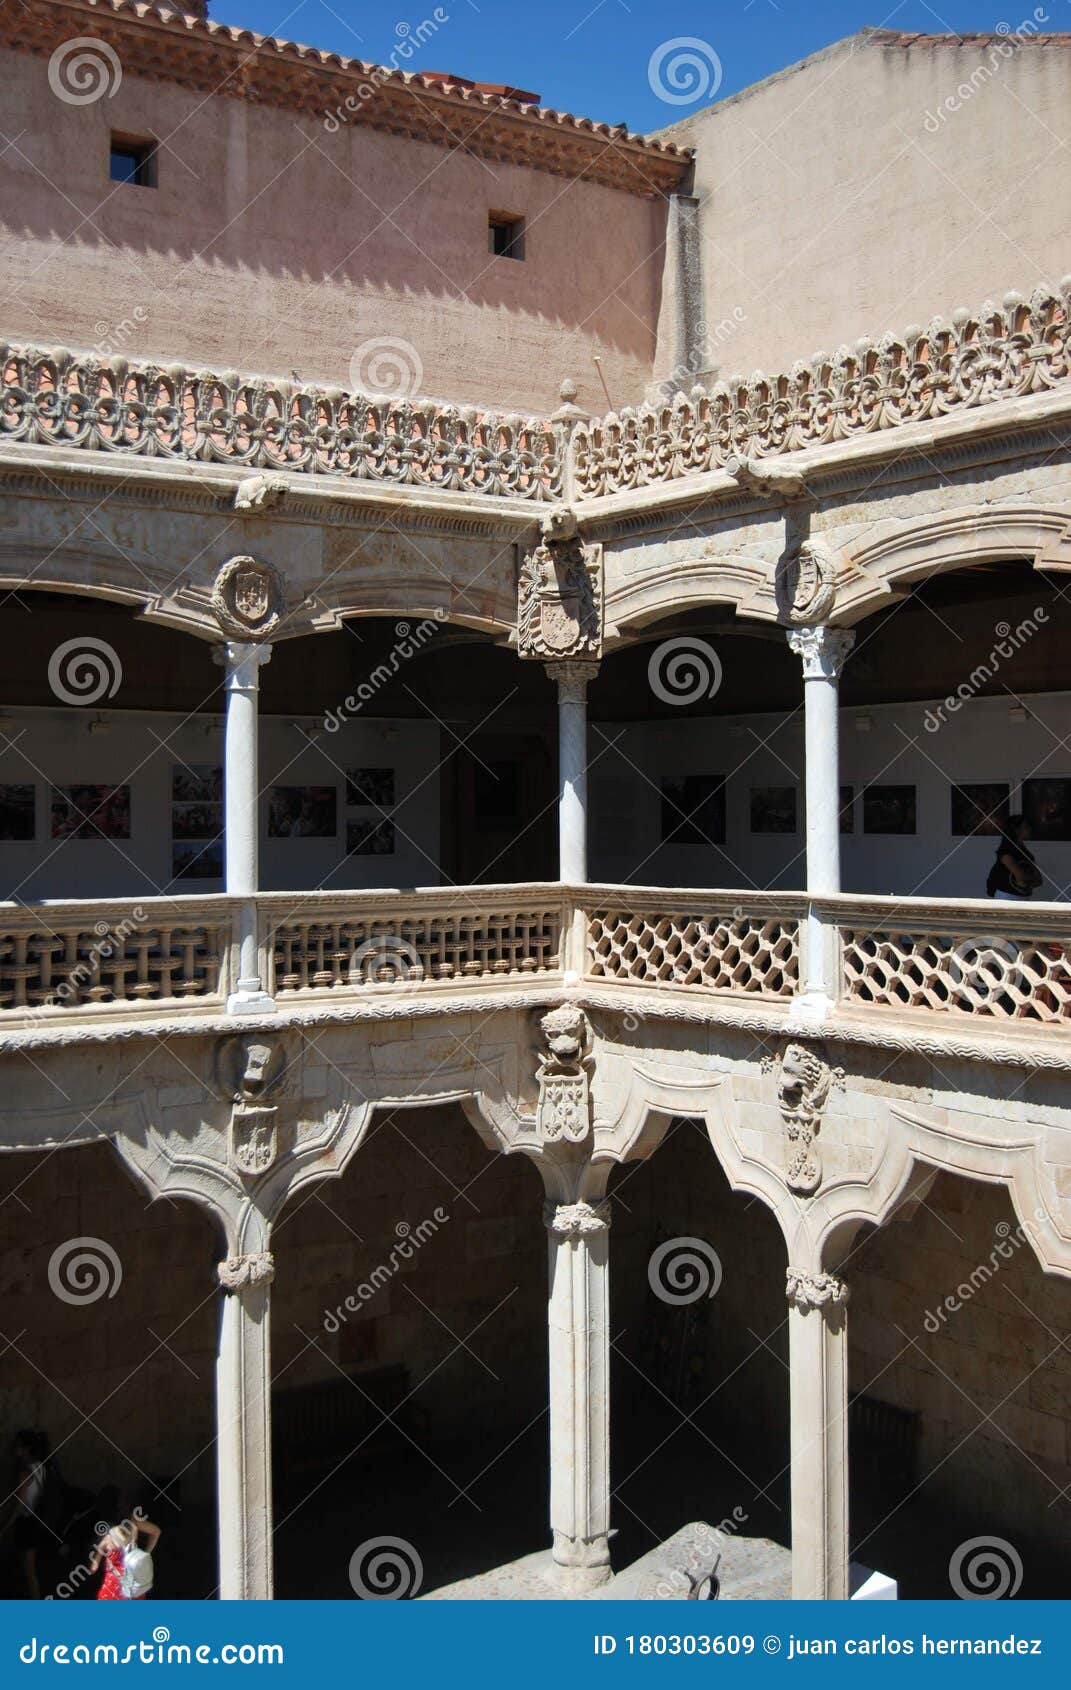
column 163, row 43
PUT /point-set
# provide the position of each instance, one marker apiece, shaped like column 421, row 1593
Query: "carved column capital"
column 823, row 650
column 576, row 1220
column 237, row 1273
column 242, row 661
column 572, row 680
column 815, row 1290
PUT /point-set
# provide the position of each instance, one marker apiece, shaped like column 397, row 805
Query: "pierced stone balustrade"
column 64, row 398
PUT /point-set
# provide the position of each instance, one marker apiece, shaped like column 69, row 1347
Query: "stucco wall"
column 843, row 197
column 273, row 245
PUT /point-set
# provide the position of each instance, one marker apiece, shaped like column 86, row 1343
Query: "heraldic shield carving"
column 250, row 1071
column 247, row 599
column 559, row 604
column 564, row 1108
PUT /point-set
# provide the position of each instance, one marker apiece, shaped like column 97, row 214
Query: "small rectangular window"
column 133, row 162
column 505, row 235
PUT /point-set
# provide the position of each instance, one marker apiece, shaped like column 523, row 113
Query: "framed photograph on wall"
column 373, row 838
column 370, row 786
column 979, row 807
column 196, row 783
column 847, row 809
column 18, row 806
column 693, row 809
column 890, row 809
column 1047, row 806
column 773, row 809
column 197, row 859
column 91, row 812
column 302, row 812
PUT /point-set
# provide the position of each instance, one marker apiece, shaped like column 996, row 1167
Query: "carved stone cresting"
column 815, row 1290
column 251, row 1068
column 823, row 651
column 247, row 599
column 237, row 1273
column 803, row 1087
column 563, row 1112
column 560, row 594
column 259, row 493
column 806, row 583
column 576, row 1220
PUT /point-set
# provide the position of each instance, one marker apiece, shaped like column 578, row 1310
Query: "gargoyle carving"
column 563, row 1112
column 803, row 1087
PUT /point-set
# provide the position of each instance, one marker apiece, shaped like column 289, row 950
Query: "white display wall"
column 988, row 740
column 57, row 749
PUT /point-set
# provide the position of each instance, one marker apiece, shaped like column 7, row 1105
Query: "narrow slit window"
column 133, row 161
column 505, row 235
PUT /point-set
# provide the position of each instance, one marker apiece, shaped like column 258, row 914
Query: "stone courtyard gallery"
column 513, row 1070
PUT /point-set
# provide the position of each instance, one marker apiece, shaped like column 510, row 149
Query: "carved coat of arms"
column 247, row 599
column 564, row 1108
column 559, row 608
column 251, row 1069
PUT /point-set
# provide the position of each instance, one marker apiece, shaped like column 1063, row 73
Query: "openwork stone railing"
column 1004, row 961
column 399, row 942
column 58, row 958
column 995, row 353
column 61, row 398
column 750, row 946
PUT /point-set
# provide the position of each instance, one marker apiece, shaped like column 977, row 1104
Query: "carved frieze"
column 804, row 1082
column 560, row 595
column 247, row 599
column 563, row 1113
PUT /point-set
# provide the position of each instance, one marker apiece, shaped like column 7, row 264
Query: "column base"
column 578, row 1564
column 250, row 999
column 577, row 1581
column 813, row 1008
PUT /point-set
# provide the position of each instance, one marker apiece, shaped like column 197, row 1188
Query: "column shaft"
column 243, row 1435
column 579, row 1353
column 824, row 651
column 572, row 680
column 818, row 1365
column 241, row 791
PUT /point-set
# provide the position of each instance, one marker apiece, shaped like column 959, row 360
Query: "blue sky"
column 592, row 56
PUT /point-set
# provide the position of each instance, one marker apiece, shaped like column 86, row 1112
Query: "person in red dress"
column 127, row 1567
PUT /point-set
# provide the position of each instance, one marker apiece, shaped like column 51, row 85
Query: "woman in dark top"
column 1015, row 873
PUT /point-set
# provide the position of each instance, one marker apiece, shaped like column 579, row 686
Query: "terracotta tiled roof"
column 161, row 41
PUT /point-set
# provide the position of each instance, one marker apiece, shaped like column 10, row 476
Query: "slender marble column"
column 242, row 661
column 572, row 682
column 243, row 1428
column 824, row 652
column 818, row 1369
column 578, row 1316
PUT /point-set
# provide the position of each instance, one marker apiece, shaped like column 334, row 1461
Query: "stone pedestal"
column 242, row 661
column 578, row 1322
column 243, row 1429
column 818, row 1366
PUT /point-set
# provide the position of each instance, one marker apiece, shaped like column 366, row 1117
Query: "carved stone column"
column 572, row 682
column 578, row 1320
column 243, row 1428
column 818, row 1368
column 242, row 660
column 824, row 651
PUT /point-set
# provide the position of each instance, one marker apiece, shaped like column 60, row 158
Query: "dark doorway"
column 499, row 819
